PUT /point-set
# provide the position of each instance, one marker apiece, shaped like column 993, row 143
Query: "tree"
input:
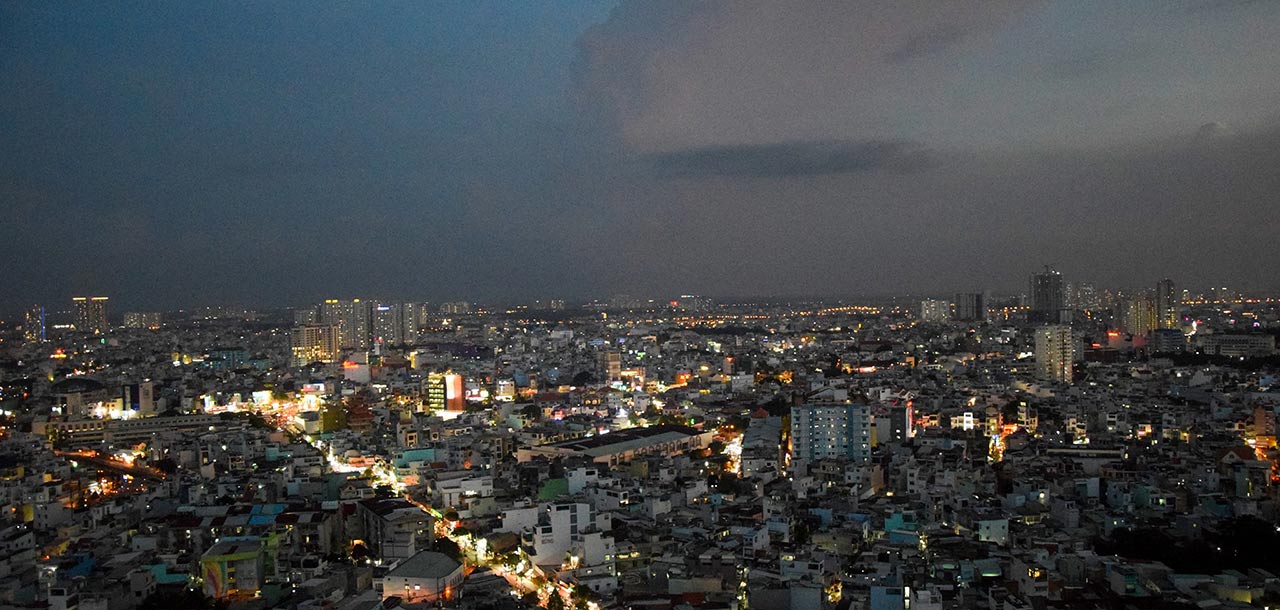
column 555, row 602
column 532, row 411
column 450, row 548
column 801, row 533
column 333, row 417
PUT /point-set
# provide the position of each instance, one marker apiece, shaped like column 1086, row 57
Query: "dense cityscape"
column 1067, row 447
column 639, row 305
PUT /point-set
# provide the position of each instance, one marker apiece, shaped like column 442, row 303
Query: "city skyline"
column 125, row 305
column 489, row 151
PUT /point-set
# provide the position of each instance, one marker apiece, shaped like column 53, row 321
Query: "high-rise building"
column 1086, row 297
column 1165, row 340
column 142, row 319
column 1047, row 299
column 692, row 302
column 361, row 326
column 445, row 391
column 411, row 321
column 395, row 323
column 334, row 311
column 1055, row 352
column 933, row 310
column 388, row 325
column 841, row 431
column 1141, row 317
column 91, row 314
column 304, row 316
column 456, row 308
column 609, row 366
column 1166, row 304
column 353, row 320
column 316, row 343
column 33, row 329
column 971, row 306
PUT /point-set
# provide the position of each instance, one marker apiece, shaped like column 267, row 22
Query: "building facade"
column 1055, row 353
column 822, row 431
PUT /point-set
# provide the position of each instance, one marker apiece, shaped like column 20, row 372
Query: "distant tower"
column 410, row 321
column 1166, row 304
column 933, row 310
column 1055, row 353
column 353, row 320
column 610, row 366
column 304, row 316
column 91, row 314
column 971, row 307
column 315, row 343
column 33, row 325
column 1143, row 315
column 1047, row 298
column 395, row 323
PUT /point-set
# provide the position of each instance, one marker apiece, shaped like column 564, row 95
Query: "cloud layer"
column 791, row 159
column 275, row 154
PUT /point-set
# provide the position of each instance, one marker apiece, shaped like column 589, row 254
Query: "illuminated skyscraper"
column 1166, row 304
column 1055, row 352
column 1086, row 297
column 387, row 325
column 353, row 319
column 395, row 323
column 91, row 314
column 33, row 326
column 933, row 310
column 456, row 308
column 315, row 343
column 142, row 319
column 411, row 315
column 1142, row 316
column 1047, row 298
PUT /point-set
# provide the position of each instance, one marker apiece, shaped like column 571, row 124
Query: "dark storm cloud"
column 1125, row 216
column 791, row 159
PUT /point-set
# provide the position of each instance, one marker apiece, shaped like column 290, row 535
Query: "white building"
column 822, row 431
column 423, row 578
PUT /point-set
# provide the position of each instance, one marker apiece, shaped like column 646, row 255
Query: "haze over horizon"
column 171, row 154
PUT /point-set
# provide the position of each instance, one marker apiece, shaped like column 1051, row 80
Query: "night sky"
column 176, row 154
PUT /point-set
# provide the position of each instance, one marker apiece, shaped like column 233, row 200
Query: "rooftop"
column 427, row 564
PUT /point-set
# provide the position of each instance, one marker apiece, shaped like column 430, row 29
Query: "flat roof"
column 622, row 440
column 427, row 564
